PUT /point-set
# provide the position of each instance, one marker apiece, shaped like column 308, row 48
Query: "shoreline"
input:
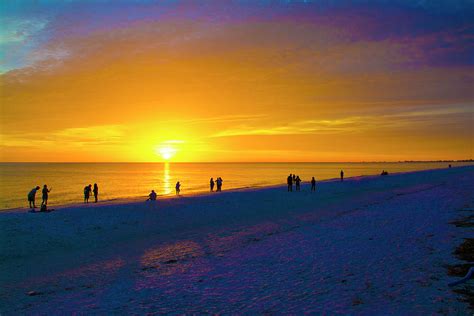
column 137, row 199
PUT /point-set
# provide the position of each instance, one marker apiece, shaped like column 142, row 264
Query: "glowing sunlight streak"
column 166, row 178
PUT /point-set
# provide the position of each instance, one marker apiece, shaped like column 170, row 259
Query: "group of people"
column 217, row 183
column 32, row 197
column 293, row 178
column 88, row 190
column 297, row 180
column 212, row 183
column 152, row 196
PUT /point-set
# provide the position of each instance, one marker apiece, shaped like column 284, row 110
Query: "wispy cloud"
column 351, row 124
column 298, row 127
column 223, row 119
column 70, row 137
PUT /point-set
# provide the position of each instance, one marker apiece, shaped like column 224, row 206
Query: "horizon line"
column 243, row 162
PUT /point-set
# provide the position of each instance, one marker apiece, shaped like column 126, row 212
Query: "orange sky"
column 199, row 89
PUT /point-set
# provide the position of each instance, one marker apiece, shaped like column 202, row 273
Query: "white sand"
column 372, row 245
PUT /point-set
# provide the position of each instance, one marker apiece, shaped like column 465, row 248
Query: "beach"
column 367, row 245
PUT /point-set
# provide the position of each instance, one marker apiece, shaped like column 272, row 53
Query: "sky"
column 236, row 80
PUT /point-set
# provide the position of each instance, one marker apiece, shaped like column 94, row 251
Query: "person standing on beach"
column 297, row 183
column 87, row 193
column 342, row 175
column 31, row 197
column 313, row 184
column 177, row 187
column 211, row 184
column 219, row 184
column 96, row 192
column 289, row 181
column 45, row 195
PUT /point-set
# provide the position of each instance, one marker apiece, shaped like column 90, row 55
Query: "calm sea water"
column 123, row 180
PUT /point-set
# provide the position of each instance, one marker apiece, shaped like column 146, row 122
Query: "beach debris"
column 148, row 268
column 34, row 293
column 464, row 222
column 468, row 276
column 465, row 251
column 458, row 270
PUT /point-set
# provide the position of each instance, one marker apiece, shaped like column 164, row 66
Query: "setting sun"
column 167, row 152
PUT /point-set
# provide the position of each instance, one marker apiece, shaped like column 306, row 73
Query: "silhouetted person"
column 45, row 192
column 313, row 184
column 297, row 183
column 384, row 173
column 152, row 196
column 294, row 178
column 342, row 175
column 96, row 192
column 219, row 184
column 87, row 192
column 177, row 187
column 211, row 184
column 289, row 181
column 449, row 165
column 32, row 196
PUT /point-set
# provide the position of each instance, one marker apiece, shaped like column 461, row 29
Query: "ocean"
column 126, row 180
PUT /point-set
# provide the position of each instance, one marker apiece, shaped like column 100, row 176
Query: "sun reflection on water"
column 166, row 178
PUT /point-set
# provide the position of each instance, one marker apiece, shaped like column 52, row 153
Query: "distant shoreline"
column 230, row 162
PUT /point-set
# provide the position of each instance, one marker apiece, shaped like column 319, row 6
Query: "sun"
column 167, row 152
